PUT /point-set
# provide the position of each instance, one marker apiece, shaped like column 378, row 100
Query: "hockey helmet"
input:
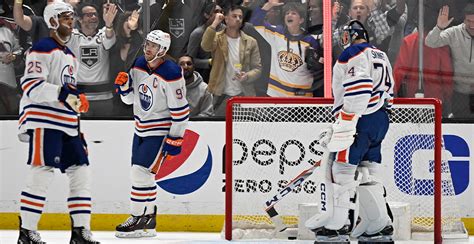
column 55, row 9
column 352, row 31
column 161, row 38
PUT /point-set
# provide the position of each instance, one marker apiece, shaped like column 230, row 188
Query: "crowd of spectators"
column 248, row 48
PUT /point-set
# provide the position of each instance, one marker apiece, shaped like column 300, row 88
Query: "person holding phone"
column 9, row 51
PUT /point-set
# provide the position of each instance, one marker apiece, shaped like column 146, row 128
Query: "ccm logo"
column 418, row 149
column 323, row 196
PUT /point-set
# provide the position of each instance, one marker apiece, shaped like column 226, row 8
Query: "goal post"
column 269, row 141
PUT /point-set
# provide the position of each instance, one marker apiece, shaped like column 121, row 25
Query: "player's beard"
column 64, row 33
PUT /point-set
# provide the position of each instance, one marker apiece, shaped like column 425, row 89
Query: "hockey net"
column 273, row 140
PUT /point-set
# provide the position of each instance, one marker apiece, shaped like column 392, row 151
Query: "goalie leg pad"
column 373, row 210
column 143, row 194
column 337, row 199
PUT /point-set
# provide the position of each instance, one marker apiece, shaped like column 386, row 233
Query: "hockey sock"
column 79, row 201
column 33, row 198
column 143, row 194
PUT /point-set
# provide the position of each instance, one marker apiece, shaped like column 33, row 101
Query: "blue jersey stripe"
column 357, row 93
column 357, row 82
column 31, row 210
column 152, row 129
column 80, row 212
column 180, row 108
column 48, row 108
column 181, row 119
column 167, row 119
column 49, row 122
column 26, row 194
column 79, row 199
column 33, row 87
column 144, row 188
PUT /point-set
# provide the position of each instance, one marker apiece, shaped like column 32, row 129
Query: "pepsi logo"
column 188, row 171
column 146, row 97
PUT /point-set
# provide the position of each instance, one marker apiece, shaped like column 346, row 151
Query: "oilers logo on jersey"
column 67, row 75
column 289, row 61
column 146, row 97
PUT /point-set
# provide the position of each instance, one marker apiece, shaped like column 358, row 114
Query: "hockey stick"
column 161, row 160
column 295, row 182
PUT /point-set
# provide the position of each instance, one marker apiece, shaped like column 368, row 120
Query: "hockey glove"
column 73, row 99
column 324, row 136
column 344, row 130
column 122, row 84
column 172, row 145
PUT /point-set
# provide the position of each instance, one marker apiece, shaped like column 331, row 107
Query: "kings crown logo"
column 289, row 61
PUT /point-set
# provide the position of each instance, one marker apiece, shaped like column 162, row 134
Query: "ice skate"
column 29, row 236
column 80, row 235
column 383, row 236
column 326, row 236
column 137, row 226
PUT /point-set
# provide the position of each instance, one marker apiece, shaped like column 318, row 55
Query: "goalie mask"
column 352, row 31
column 54, row 10
column 160, row 38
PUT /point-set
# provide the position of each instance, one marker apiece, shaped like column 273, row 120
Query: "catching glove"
column 73, row 99
column 122, row 86
column 344, row 130
column 172, row 145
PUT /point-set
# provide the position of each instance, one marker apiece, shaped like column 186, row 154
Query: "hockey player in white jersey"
column 157, row 90
column 363, row 94
column 48, row 120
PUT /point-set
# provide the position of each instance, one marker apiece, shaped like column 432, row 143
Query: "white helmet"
column 161, row 38
column 55, row 9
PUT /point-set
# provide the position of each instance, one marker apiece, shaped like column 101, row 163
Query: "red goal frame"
column 268, row 100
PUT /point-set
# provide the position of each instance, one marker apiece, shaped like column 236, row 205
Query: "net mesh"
column 274, row 142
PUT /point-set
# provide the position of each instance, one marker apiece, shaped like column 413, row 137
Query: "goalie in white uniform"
column 363, row 96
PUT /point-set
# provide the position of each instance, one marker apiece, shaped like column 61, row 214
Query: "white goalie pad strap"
column 372, row 210
column 367, row 177
column 343, row 133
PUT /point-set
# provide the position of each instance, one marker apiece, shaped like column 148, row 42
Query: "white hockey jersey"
column 93, row 77
column 48, row 66
column 159, row 99
column 289, row 74
column 362, row 80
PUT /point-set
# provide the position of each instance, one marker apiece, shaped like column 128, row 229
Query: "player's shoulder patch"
column 169, row 70
column 48, row 45
column 353, row 51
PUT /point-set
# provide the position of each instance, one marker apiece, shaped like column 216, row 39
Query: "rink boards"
column 190, row 196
